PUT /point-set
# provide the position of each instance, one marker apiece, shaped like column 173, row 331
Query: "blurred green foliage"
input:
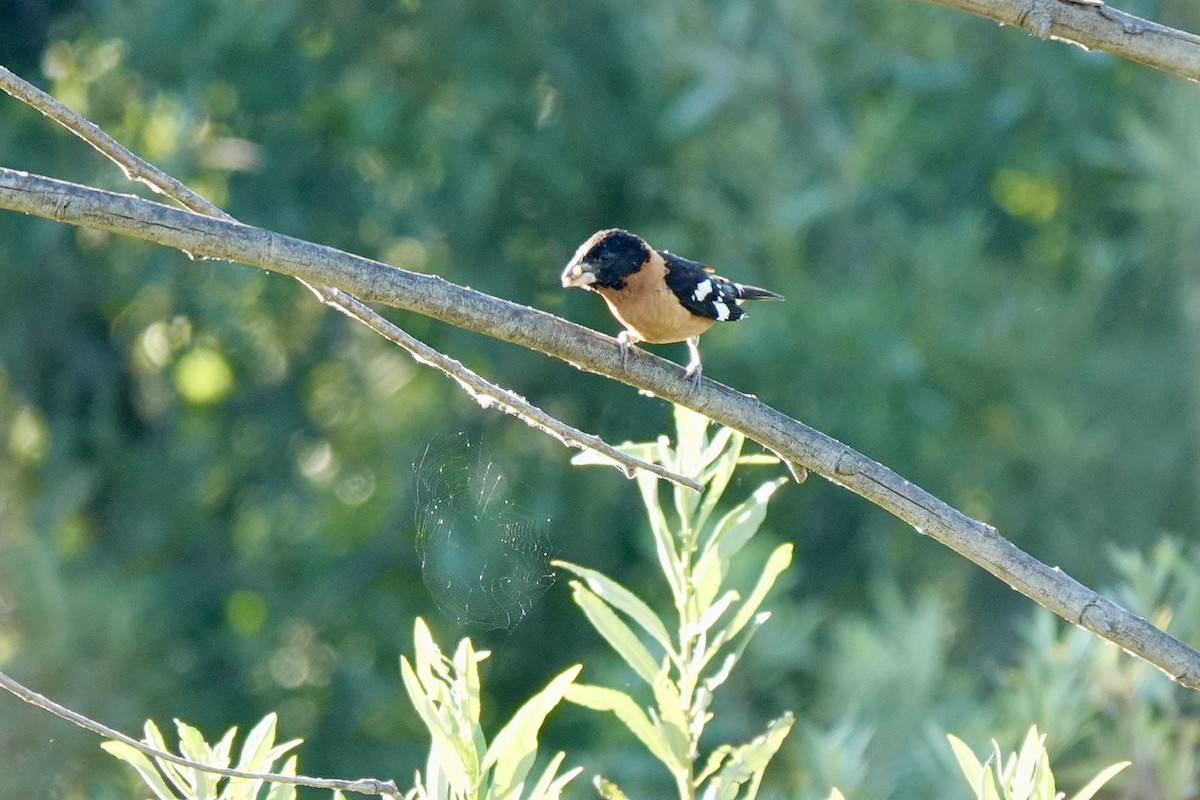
column 987, row 242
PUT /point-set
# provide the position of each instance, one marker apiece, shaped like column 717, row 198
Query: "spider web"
column 483, row 561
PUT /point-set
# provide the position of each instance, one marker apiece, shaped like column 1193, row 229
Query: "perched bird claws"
column 623, row 344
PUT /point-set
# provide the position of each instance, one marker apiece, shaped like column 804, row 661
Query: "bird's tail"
column 754, row 293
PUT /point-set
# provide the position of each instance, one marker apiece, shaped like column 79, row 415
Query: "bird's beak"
column 578, row 274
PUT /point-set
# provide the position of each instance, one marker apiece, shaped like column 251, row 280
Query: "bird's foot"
column 694, row 370
column 624, row 342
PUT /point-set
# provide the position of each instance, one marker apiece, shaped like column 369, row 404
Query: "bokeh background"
column 209, row 484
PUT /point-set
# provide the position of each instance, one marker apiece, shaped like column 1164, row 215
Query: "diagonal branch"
column 501, row 319
column 369, row 786
column 137, row 169
column 1094, row 25
column 488, row 393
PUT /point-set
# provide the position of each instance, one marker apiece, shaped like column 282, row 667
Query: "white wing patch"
column 721, row 309
column 703, row 290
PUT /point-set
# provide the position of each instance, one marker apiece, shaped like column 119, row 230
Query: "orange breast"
column 650, row 310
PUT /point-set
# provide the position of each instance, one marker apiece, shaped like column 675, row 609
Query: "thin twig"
column 137, row 169
column 502, row 319
column 369, row 786
column 488, row 393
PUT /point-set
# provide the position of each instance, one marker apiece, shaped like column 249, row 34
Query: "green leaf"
column 145, row 768
column 968, row 762
column 222, row 751
column 191, row 743
column 708, row 573
column 711, row 614
column 747, row 763
column 664, row 541
column 779, row 560
column 729, row 536
column 1028, row 756
column 1043, row 778
column 183, row 777
column 641, row 450
column 1096, row 783
column 601, row 698
column 723, row 452
column 623, row 600
column 284, row 791
column 741, row 522
column 618, row 635
column 691, row 429
column 547, row 786
column 978, row 776
column 713, row 763
column 514, row 749
column 258, row 745
column 608, row 790
column 469, row 692
column 672, row 718
column 445, row 745
column 467, row 665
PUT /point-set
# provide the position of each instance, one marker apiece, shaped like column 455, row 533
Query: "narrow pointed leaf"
column 742, row 522
column 672, row 721
column 601, row 698
column 258, row 744
column 561, row 782
column 619, row 636
column 723, row 453
column 544, row 781
column 1097, row 783
column 284, row 791
column 730, row 535
column 607, row 789
column 779, row 560
column 713, row 613
column 1043, row 778
column 623, row 600
column 715, row 759
column 145, row 768
column 690, row 430
column 514, row 749
column 444, row 743
column 1031, row 750
column 191, row 743
column 747, row 763
column 968, row 762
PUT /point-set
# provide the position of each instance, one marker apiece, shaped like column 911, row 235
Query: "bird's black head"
column 606, row 259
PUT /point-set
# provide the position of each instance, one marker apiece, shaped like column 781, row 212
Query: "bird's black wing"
column 701, row 292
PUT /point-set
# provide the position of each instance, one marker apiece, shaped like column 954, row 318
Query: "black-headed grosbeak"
column 658, row 296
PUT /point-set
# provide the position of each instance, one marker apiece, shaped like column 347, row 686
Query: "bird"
column 658, row 296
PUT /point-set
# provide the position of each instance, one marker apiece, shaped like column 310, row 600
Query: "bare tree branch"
column 369, row 786
column 487, row 393
column 1095, row 26
column 483, row 391
column 546, row 333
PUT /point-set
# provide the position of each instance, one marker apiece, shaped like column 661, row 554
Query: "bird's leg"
column 693, row 367
column 625, row 340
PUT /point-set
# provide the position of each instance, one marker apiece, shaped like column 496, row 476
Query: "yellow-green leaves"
column 171, row 781
column 462, row 765
column 1025, row 775
column 712, row 621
